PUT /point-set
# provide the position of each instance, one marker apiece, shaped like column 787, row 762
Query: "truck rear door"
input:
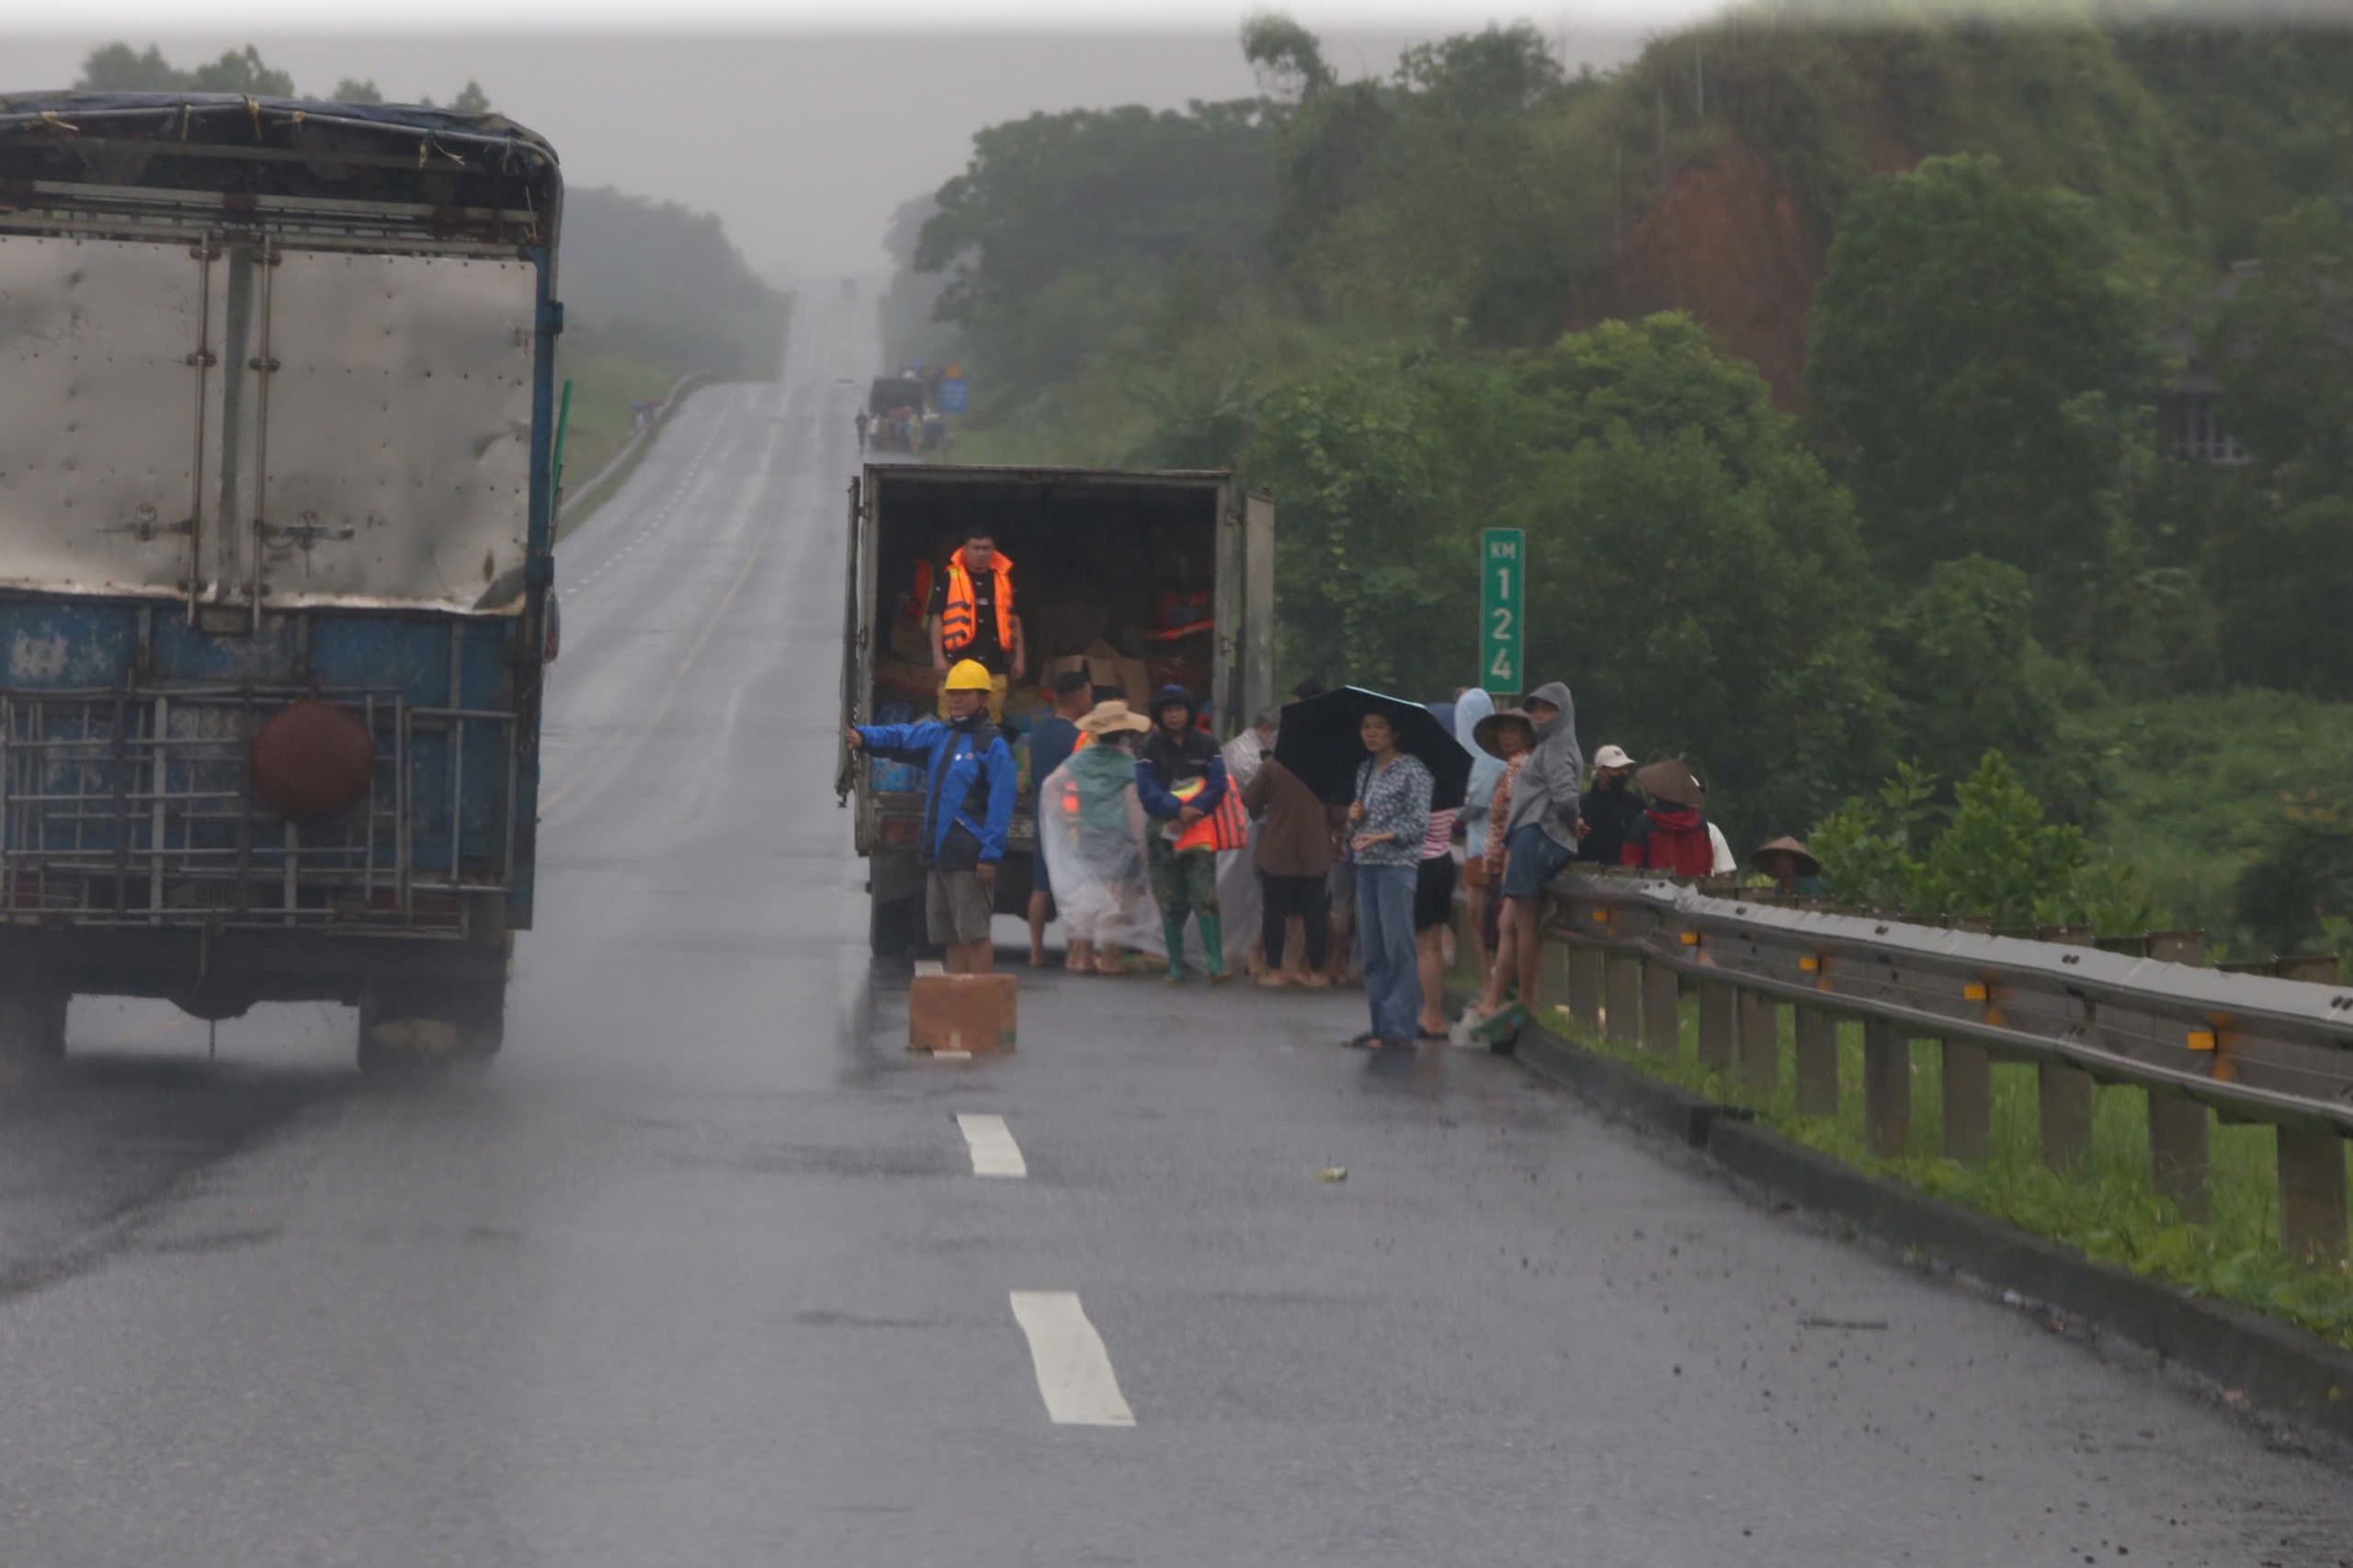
column 855, row 675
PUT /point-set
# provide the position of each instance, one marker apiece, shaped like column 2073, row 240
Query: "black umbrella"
column 1319, row 741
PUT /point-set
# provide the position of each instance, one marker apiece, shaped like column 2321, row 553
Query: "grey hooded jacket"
column 1546, row 791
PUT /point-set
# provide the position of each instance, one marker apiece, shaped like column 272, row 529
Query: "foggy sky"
column 802, row 144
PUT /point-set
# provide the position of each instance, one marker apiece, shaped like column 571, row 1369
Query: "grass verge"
column 2106, row 1212
column 603, row 386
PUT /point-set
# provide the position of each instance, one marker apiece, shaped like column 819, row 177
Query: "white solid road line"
column 1075, row 1374
column 995, row 1153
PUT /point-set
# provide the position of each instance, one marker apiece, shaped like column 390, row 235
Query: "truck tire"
column 423, row 1029
column 32, row 1023
column 895, row 927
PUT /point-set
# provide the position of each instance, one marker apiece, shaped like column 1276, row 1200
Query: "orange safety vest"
column 959, row 619
column 1225, row 826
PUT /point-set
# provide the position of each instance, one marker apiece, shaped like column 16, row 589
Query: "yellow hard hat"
column 970, row 674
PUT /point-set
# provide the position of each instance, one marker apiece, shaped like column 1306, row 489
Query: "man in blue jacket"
column 968, row 803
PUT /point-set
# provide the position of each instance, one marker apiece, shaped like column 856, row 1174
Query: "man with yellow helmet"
column 968, row 804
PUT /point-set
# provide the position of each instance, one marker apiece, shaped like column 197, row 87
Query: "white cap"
column 1612, row 756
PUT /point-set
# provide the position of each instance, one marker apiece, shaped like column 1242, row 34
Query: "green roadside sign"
column 1503, row 572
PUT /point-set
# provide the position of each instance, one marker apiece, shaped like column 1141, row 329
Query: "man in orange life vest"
column 972, row 618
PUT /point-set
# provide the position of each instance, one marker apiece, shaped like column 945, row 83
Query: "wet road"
column 703, row 1274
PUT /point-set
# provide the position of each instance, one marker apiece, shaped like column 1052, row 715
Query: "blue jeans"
column 1532, row 860
column 1392, row 986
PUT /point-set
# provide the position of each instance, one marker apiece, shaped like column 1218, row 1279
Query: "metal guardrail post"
column 1554, row 984
column 1584, row 985
column 1759, row 1024
column 1968, row 1075
column 1717, row 1025
column 2319, row 969
column 2177, row 1138
column 1817, row 1060
column 1624, row 972
column 1887, row 1088
column 1662, row 1009
column 2312, row 1195
column 2064, row 1096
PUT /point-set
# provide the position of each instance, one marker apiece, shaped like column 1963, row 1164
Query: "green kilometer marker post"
column 1503, row 579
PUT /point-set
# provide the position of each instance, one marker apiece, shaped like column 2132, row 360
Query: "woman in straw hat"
column 1670, row 836
column 1090, row 828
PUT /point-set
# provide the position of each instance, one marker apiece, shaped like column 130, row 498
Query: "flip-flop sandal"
column 1364, row 1042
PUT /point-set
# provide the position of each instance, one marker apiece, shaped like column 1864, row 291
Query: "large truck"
column 277, row 421
column 1158, row 572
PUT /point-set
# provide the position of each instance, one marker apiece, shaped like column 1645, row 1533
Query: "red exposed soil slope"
column 1732, row 242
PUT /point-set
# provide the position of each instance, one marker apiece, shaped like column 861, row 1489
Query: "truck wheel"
column 431, row 1026
column 895, row 925
column 32, row 1023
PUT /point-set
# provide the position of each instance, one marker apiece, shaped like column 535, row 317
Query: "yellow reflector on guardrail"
column 2202, row 1039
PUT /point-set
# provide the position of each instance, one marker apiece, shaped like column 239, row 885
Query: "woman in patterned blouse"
column 1387, row 824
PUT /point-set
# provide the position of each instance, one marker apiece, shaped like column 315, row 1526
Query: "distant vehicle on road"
column 277, row 417
column 1101, row 558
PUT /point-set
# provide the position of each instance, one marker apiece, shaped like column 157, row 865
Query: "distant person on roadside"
column 1670, row 836
column 973, row 617
column 1245, row 751
column 1539, row 838
column 1607, row 811
column 1791, row 865
column 1434, row 884
column 1508, row 735
column 864, row 419
column 1389, row 823
column 1181, row 779
column 1092, row 826
column 1486, row 771
column 1242, row 755
column 969, row 788
column 1051, row 740
column 1294, row 857
column 1724, row 864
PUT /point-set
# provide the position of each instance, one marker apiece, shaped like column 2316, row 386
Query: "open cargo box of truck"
column 276, row 413
column 1100, row 559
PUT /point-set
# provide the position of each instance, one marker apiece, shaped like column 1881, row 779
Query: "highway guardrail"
column 2245, row 1047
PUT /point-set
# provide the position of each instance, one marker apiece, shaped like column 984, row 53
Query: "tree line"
column 1967, row 526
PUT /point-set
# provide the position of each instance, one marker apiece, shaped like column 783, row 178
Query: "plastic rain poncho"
column 1090, row 829
column 1486, row 770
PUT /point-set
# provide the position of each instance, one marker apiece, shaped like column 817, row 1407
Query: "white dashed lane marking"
column 1074, row 1376
column 995, row 1153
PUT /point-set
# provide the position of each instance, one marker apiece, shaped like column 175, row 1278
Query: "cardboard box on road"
column 962, row 1012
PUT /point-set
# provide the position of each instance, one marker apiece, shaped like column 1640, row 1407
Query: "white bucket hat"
column 1612, row 756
